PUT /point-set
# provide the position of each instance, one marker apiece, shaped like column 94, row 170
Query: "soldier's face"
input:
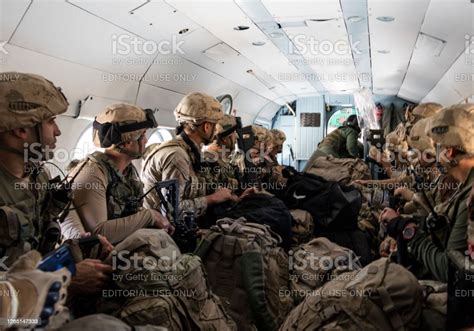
column 208, row 132
column 230, row 140
column 137, row 147
column 50, row 131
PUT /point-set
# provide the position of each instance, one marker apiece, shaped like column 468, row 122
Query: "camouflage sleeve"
column 434, row 258
column 175, row 164
column 352, row 143
column 91, row 206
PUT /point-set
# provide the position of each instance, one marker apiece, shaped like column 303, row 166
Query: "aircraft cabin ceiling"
column 264, row 53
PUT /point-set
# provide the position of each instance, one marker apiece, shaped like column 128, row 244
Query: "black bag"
column 333, row 206
column 261, row 209
column 355, row 240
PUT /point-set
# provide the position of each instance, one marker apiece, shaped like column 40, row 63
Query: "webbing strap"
column 390, row 310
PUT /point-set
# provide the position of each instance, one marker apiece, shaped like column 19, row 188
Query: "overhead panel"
column 11, row 12
column 76, row 81
column 394, row 28
column 317, row 31
column 159, row 22
column 267, row 23
column 263, row 57
column 72, row 34
column 357, row 25
column 457, row 84
column 446, row 32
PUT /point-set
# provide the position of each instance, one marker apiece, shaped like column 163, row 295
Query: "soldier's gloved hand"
column 396, row 226
column 161, row 222
column 390, row 219
column 33, row 293
column 91, row 277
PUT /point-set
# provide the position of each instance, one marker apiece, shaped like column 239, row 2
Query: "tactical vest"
column 170, row 143
column 123, row 190
column 25, row 215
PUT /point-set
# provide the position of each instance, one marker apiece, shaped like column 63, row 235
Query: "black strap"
column 227, row 132
column 194, row 150
column 111, row 133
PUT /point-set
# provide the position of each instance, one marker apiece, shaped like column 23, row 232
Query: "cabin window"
column 338, row 118
column 159, row 136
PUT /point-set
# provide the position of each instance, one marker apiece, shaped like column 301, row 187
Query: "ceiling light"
column 267, row 84
column 429, row 44
column 183, row 31
column 355, row 19
column 258, row 43
column 386, row 18
column 241, row 28
column 383, row 51
column 220, row 52
column 276, row 34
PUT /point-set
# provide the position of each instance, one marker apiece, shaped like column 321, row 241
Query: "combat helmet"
column 454, row 127
column 278, row 136
column 196, row 108
column 121, row 123
column 27, row 100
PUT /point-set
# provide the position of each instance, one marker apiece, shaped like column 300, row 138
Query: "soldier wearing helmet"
column 276, row 146
column 197, row 115
column 217, row 168
column 107, row 185
column 402, row 147
column 28, row 130
column 397, row 140
column 432, row 239
column 342, row 142
column 269, row 173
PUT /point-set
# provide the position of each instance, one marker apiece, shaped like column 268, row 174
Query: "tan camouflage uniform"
column 102, row 194
column 26, row 100
column 218, row 171
column 26, row 211
column 175, row 159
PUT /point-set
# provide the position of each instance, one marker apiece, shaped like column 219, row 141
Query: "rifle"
column 245, row 141
column 185, row 234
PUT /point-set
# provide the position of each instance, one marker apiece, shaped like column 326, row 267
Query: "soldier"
column 107, row 185
column 276, row 145
column 217, row 168
column 430, row 241
column 341, row 143
column 28, row 211
column 397, row 147
column 180, row 158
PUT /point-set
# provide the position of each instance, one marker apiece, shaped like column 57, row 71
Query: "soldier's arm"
column 91, row 204
column 436, row 259
column 352, row 143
